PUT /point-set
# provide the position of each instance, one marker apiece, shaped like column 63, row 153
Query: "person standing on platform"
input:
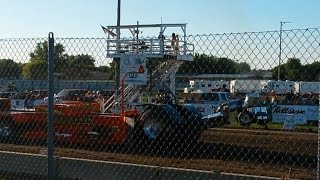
column 173, row 41
column 176, row 47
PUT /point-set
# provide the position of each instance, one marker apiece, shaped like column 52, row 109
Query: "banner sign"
column 299, row 113
column 133, row 69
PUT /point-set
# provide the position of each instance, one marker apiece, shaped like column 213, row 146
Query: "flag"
column 107, row 31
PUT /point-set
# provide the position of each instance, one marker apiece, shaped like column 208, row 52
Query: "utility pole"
column 280, row 35
column 116, row 60
column 118, row 21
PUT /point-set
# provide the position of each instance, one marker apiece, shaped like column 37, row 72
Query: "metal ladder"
column 132, row 92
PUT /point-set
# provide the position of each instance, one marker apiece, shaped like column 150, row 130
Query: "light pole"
column 280, row 33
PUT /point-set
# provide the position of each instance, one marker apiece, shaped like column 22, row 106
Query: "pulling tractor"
column 254, row 111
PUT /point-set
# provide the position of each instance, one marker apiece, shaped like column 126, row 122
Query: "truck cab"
column 206, row 102
column 206, row 85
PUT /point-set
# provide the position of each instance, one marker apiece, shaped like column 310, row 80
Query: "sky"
column 82, row 18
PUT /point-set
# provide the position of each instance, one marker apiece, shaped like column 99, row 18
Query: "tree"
column 82, row 59
column 41, row 54
column 193, row 66
column 293, row 69
column 206, row 64
column 275, row 71
column 9, row 68
column 225, row 66
column 242, row 67
column 79, row 67
column 37, row 69
column 109, row 69
column 73, row 67
column 311, row 72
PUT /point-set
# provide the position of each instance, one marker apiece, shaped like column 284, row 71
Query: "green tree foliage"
column 66, row 66
column 204, row 64
column 36, row 69
column 311, row 71
column 9, row 69
column 294, row 69
column 110, row 70
column 41, row 53
column 78, row 67
column 243, row 67
column 282, row 72
column 82, row 60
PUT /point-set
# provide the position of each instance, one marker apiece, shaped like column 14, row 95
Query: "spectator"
column 176, row 46
column 224, row 88
column 274, row 100
column 266, row 102
column 28, row 101
column 100, row 100
column 308, row 101
column 161, row 38
column 297, row 99
column 173, row 41
column 287, row 98
column 314, row 99
column 88, row 97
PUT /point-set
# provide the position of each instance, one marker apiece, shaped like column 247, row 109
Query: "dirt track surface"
column 279, row 141
column 251, row 152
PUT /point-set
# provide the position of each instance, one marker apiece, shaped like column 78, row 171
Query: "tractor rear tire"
column 245, row 119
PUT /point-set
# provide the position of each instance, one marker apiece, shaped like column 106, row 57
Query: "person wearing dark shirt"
column 173, row 41
column 224, row 88
column 28, row 101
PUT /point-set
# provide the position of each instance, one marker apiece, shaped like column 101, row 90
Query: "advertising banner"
column 298, row 113
column 133, row 69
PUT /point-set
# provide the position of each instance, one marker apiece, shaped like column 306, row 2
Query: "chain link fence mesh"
column 253, row 127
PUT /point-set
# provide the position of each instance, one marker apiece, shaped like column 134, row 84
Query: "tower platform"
column 158, row 46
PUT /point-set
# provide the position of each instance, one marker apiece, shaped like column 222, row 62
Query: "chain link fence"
column 246, row 107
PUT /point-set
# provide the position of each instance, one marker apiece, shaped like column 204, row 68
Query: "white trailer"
column 304, row 87
column 206, row 86
column 246, row 86
column 279, row 87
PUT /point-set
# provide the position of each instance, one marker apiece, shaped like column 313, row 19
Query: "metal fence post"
column 51, row 167
column 318, row 155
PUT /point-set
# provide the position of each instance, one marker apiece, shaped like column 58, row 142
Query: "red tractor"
column 75, row 122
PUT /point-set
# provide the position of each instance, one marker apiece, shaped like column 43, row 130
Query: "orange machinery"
column 74, row 122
